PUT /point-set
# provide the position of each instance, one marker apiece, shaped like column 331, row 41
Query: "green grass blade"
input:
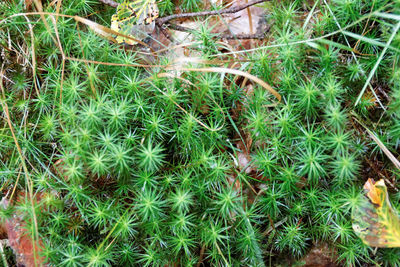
column 387, row 16
column 335, row 44
column 371, row 74
column 368, row 40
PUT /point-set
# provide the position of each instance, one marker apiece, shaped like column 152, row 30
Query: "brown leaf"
column 319, row 256
column 28, row 4
column 375, row 221
column 246, row 21
column 27, row 251
column 243, row 157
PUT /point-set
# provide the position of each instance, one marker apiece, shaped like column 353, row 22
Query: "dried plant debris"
column 375, row 221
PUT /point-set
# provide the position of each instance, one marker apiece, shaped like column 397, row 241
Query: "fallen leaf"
column 135, row 19
column 243, row 157
column 28, row 4
column 374, row 219
column 240, row 22
column 27, row 250
column 320, row 255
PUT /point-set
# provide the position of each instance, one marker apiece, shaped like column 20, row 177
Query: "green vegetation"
column 129, row 168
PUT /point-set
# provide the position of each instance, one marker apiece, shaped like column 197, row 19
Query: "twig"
column 180, row 28
column 164, row 20
column 229, row 10
column 203, row 248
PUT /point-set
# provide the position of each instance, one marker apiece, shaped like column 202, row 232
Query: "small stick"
column 203, row 248
column 229, row 10
column 163, row 20
column 179, row 28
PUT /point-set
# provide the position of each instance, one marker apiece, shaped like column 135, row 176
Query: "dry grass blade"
column 250, row 19
column 2, row 22
column 384, row 149
column 39, row 7
column 169, row 75
column 181, row 60
column 100, row 29
column 28, row 180
column 15, row 185
column 33, row 54
column 58, row 7
column 235, row 72
column 86, row 64
column 107, row 32
column 387, row 152
column 114, row 64
column 58, row 42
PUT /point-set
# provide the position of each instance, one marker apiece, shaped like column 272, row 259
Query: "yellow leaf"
column 134, row 19
column 374, row 219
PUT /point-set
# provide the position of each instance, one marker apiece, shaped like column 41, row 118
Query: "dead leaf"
column 320, row 255
column 243, row 157
column 374, row 219
column 241, row 22
column 106, row 32
column 248, row 21
column 25, row 248
column 28, row 4
column 243, row 161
